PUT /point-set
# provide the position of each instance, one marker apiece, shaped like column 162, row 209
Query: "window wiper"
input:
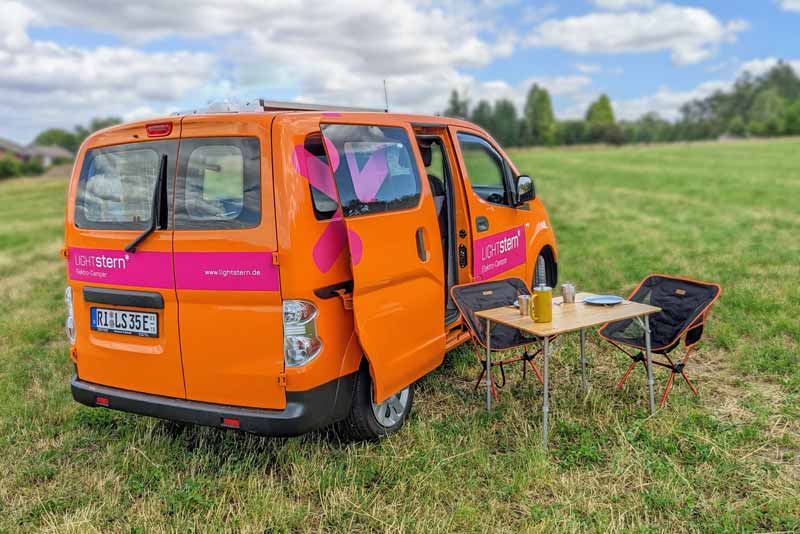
column 157, row 215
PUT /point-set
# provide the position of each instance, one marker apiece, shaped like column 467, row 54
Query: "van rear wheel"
column 369, row 421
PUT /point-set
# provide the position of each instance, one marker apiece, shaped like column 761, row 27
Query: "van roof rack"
column 278, row 105
column 261, row 104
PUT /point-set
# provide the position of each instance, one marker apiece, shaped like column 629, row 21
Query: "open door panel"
column 392, row 230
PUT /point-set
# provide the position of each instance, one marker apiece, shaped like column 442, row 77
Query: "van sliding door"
column 396, row 259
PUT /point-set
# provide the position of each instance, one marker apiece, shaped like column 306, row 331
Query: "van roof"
column 269, row 110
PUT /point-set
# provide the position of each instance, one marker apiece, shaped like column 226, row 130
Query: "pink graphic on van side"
column 117, row 267
column 223, row 271
column 315, row 171
column 356, row 246
column 368, row 179
column 333, row 154
column 331, row 243
column 498, row 253
column 226, row 271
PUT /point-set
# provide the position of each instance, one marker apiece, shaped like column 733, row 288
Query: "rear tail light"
column 230, row 422
column 301, row 344
column 161, row 129
column 69, row 323
column 102, row 401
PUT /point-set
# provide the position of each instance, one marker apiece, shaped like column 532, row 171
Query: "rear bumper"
column 305, row 410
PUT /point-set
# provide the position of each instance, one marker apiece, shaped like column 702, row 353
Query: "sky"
column 64, row 62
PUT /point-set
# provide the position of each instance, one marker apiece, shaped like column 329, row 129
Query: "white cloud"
column 760, row 66
column 337, row 51
column 623, row 4
column 790, row 5
column 588, row 68
column 45, row 84
column 666, row 102
column 691, row 34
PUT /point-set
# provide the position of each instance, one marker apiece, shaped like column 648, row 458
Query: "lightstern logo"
column 88, row 261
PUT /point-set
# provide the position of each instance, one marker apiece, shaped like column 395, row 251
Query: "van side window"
column 324, row 205
column 115, row 188
column 377, row 171
column 219, row 183
column 485, row 169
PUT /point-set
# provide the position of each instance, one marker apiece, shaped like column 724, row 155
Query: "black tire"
column 545, row 270
column 362, row 424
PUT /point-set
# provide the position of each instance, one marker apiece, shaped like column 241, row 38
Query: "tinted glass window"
column 115, row 188
column 376, row 169
column 485, row 168
column 219, row 183
column 316, row 169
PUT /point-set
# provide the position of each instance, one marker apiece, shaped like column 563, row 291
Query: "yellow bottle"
column 542, row 304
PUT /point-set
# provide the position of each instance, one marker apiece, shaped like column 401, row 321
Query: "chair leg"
column 480, row 377
column 686, row 378
column 670, row 380
column 622, row 380
column 536, row 371
column 480, row 381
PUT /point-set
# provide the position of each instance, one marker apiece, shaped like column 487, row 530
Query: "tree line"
column 756, row 106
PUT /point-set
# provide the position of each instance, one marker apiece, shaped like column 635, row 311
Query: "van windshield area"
column 115, row 188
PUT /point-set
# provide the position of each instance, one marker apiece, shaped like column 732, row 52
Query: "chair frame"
column 690, row 348
column 526, row 357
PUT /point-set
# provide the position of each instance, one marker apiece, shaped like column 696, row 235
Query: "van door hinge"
column 282, row 379
column 275, row 258
column 347, row 298
column 64, row 252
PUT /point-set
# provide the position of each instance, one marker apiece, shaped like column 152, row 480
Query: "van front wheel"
column 369, row 421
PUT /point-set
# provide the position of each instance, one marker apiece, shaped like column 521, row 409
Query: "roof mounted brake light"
column 161, row 129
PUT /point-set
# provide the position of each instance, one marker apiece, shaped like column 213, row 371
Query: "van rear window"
column 115, row 188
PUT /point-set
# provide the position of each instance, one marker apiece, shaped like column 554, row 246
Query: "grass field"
column 727, row 461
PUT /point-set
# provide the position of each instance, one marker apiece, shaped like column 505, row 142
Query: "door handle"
column 423, row 255
column 482, row 223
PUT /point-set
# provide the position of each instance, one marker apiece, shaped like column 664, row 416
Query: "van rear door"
column 393, row 235
column 126, row 311
column 231, row 316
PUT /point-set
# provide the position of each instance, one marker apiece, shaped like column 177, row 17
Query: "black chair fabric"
column 683, row 303
column 472, row 298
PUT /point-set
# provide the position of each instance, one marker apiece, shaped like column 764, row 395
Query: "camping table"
column 568, row 318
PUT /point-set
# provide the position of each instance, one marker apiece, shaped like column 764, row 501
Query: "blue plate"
column 603, row 300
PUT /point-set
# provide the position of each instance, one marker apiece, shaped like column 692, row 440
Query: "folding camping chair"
column 479, row 296
column 685, row 305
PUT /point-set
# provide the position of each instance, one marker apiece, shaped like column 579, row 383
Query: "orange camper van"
column 283, row 268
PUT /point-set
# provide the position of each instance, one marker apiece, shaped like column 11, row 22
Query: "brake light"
column 301, row 344
column 230, row 422
column 161, row 129
column 69, row 323
column 102, row 401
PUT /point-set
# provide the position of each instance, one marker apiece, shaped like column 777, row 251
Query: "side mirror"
column 525, row 190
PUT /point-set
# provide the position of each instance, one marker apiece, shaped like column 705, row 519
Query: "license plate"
column 132, row 323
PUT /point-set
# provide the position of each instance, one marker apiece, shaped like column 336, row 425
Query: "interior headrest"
column 426, row 152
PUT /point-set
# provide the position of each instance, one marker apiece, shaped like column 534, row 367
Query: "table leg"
column 488, row 365
column 649, row 363
column 546, row 406
column 583, row 360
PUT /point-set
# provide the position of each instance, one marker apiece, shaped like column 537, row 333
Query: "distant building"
column 47, row 154
column 12, row 150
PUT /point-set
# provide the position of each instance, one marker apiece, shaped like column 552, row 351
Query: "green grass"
column 727, row 461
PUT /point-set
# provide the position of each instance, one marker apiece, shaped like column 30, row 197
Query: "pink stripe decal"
column 368, row 181
column 316, row 172
column 117, row 267
column 498, row 253
column 356, row 246
column 222, row 271
column 331, row 243
column 226, row 271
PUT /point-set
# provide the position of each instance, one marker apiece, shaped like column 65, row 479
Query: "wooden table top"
column 568, row 317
